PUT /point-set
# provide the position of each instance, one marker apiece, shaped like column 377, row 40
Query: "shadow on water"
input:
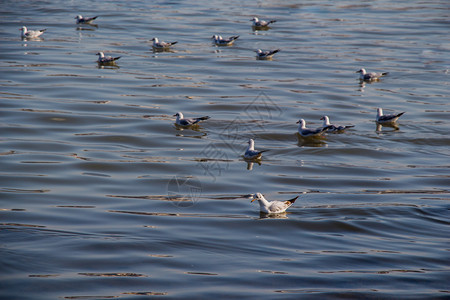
column 314, row 141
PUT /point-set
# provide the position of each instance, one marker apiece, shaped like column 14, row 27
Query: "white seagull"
column 102, row 59
column 251, row 153
column 272, row 207
column 31, row 33
column 187, row 122
column 387, row 118
column 161, row 45
column 220, row 41
column 261, row 23
column 332, row 127
column 306, row 132
column 372, row 76
column 81, row 20
column 260, row 54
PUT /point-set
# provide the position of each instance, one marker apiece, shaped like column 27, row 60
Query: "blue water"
column 102, row 196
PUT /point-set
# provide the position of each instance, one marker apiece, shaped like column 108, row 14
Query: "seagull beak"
column 253, row 199
column 298, row 122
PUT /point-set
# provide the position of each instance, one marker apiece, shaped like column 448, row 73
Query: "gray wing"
column 186, row 122
column 387, row 118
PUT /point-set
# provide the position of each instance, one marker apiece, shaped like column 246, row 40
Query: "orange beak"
column 253, row 199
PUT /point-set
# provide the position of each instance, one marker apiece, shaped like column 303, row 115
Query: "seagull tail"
column 384, row 73
column 93, row 18
column 116, row 58
column 42, row 30
column 203, row 118
column 349, row 126
column 291, row 201
column 399, row 115
column 271, row 21
column 275, row 51
column 173, row 43
column 234, row 37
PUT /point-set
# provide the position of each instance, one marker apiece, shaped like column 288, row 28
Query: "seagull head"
column 379, row 111
column 155, row 40
column 302, row 123
column 326, row 120
column 101, row 54
column 255, row 19
column 257, row 196
column 215, row 37
column 79, row 17
column 24, row 29
column 362, row 71
column 179, row 115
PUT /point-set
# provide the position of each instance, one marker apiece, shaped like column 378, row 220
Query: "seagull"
column 272, row 207
column 162, row 45
column 102, row 59
column 220, row 41
column 372, row 76
column 81, row 20
column 260, row 54
column 387, row 118
column 261, row 23
column 251, row 153
column 306, row 132
column 187, row 122
column 332, row 127
column 31, row 33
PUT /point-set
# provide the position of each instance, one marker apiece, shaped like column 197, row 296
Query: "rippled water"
column 102, row 196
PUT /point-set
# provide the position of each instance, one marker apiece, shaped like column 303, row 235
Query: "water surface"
column 102, row 196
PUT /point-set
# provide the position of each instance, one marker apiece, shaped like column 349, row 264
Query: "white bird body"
column 251, row 153
column 162, row 45
column 372, row 76
column 31, row 33
column 307, row 132
column 82, row 20
column 102, row 59
column 272, row 207
column 220, row 41
column 387, row 118
column 332, row 127
column 261, row 23
column 260, row 54
column 181, row 121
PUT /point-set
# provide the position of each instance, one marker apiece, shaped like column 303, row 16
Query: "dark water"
column 102, row 197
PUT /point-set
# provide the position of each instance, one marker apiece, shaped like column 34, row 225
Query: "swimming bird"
column 387, row 118
column 272, row 207
column 261, row 23
column 251, row 153
column 31, row 33
column 102, row 59
column 162, row 45
column 260, row 54
column 306, row 132
column 372, row 76
column 332, row 127
column 220, row 41
column 187, row 122
column 82, row 20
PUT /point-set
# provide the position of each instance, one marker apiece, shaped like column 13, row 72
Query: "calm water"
column 103, row 197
